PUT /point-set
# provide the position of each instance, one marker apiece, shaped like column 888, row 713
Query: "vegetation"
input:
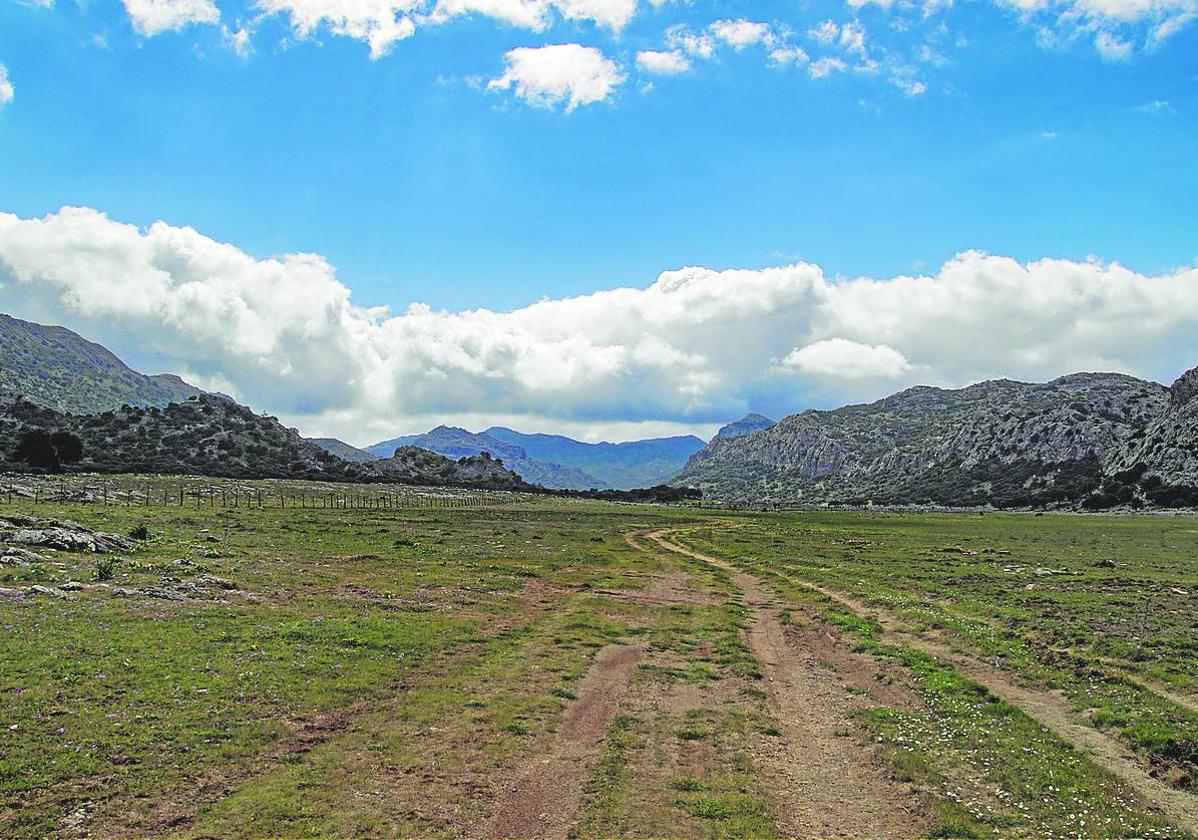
column 58, row 369
column 388, row 671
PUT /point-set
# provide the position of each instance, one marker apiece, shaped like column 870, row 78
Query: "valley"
column 461, row 662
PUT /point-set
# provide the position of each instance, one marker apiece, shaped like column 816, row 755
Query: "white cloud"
column 852, row 38
column 789, row 55
column 911, row 87
column 694, row 346
column 742, row 33
column 1111, row 47
column 826, row 67
column 153, row 17
column 664, row 63
column 6, row 89
column 841, row 358
column 380, row 23
column 238, row 40
column 547, row 76
column 827, row 32
column 698, row 45
column 537, row 14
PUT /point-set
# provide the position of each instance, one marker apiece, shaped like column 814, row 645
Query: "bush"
column 141, row 532
column 105, row 568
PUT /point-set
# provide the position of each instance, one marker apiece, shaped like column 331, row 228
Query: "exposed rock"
column 148, row 592
column 1162, row 458
column 1002, row 442
column 61, row 535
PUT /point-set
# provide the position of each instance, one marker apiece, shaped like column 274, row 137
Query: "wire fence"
column 187, row 492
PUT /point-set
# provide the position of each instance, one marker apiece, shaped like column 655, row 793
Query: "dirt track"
column 543, row 797
column 824, row 785
column 1051, row 710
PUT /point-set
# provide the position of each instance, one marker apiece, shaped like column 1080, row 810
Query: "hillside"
column 343, row 450
column 623, row 466
column 456, row 443
column 213, row 435
column 1001, row 442
column 746, row 425
column 1162, row 458
column 59, row 369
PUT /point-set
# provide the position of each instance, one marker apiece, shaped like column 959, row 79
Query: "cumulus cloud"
column 153, row 17
column 6, row 89
column 695, row 346
column 663, row 63
column 844, row 359
column 547, row 76
column 380, row 23
column 742, row 33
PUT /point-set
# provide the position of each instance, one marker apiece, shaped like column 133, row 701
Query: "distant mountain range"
column 560, row 462
column 57, row 368
column 1095, row 439
column 1092, row 440
column 343, row 450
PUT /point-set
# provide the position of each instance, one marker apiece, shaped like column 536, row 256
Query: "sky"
column 606, row 218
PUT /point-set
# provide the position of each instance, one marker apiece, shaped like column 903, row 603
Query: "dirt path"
column 1050, row 709
column 824, row 785
column 543, row 797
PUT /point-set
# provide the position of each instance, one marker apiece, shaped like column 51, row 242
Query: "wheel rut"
column 824, row 784
column 543, row 796
column 1051, row 710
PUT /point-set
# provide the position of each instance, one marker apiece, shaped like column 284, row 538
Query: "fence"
column 201, row 494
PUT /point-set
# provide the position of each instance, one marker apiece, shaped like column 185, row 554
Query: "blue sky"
column 904, row 135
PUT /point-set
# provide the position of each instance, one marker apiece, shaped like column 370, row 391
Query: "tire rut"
column 543, row 797
column 823, row 784
column 1051, row 710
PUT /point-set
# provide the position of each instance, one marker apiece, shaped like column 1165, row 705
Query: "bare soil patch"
column 543, row 797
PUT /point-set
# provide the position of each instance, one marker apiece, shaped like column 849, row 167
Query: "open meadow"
column 455, row 663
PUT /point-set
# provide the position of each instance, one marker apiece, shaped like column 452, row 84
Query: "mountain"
column 1162, row 458
column 213, row 435
column 343, row 450
column 1001, row 442
column 457, row 443
column 623, row 466
column 745, row 426
column 58, row 369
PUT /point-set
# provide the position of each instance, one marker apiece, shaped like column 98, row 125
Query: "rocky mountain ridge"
column 1000, row 442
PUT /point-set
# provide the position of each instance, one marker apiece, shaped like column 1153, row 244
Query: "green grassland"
column 1101, row 609
column 377, row 671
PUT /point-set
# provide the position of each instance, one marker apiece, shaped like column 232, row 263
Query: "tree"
column 48, row 451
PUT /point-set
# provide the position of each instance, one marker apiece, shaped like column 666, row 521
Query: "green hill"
column 59, row 369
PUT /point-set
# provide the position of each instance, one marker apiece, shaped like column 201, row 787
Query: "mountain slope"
column 1162, row 458
column 999, row 442
column 639, row 463
column 746, row 426
column 57, row 368
column 213, row 435
column 343, row 450
column 456, row 443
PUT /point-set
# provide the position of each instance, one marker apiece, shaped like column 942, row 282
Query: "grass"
column 1055, row 600
column 361, row 661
